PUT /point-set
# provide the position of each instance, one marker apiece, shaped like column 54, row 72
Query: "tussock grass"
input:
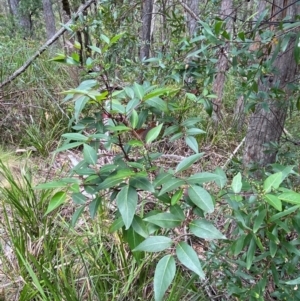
column 43, row 258
column 31, row 104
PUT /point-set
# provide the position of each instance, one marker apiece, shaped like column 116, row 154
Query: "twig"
column 46, row 45
column 187, row 8
column 234, row 152
column 175, row 157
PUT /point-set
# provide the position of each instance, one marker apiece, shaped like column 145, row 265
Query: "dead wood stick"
column 46, row 45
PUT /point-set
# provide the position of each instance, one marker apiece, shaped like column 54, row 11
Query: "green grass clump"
column 31, row 103
column 43, row 258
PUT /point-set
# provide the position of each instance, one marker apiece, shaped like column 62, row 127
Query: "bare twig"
column 234, row 152
column 175, row 157
column 46, row 45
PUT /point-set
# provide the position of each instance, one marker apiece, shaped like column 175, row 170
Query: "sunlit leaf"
column 195, row 131
column 189, row 258
column 171, row 185
column 127, row 201
column 89, row 154
column 153, row 133
column 201, row 198
column 139, row 226
column 79, row 106
column 273, row 181
column 187, row 162
column 164, row 220
column 236, row 184
column 158, row 103
column 75, row 136
column 68, row 146
column 250, row 253
column 293, row 282
column 284, row 213
column 104, row 38
column 134, row 118
column 57, row 200
column 154, row 244
column 204, row 229
column 274, row 201
column 192, row 143
column 203, row 177
column 220, row 181
column 290, row 197
column 163, row 276
column 118, row 128
column 116, row 38
column 139, row 91
column 176, row 197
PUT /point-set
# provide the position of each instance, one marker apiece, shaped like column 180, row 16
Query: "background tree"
column 49, row 18
column 22, row 15
column 275, row 87
column 250, row 8
column 191, row 20
column 226, row 14
column 147, row 7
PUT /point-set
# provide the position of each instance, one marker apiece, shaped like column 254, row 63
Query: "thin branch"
column 234, row 152
column 46, row 45
column 187, row 8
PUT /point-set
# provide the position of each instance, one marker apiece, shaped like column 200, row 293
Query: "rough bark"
column 49, row 18
column 266, row 126
column 147, row 6
column 191, row 21
column 226, row 13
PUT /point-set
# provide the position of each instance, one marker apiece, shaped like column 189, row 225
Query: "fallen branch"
column 46, row 45
column 234, row 152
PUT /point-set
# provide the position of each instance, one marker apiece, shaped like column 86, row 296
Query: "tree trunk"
column 6, row 8
column 190, row 20
column 266, row 125
column 153, row 21
column 163, row 24
column 147, row 6
column 10, row 8
column 23, row 17
column 222, row 65
column 239, row 111
column 49, row 18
